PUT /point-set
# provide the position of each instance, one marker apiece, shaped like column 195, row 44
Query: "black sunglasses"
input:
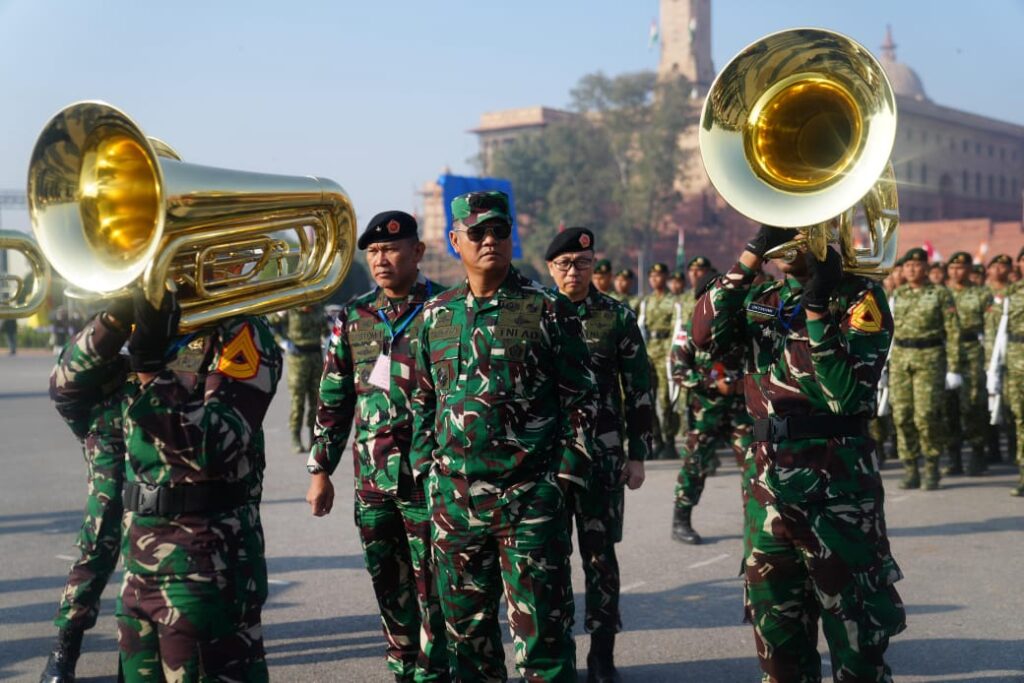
column 500, row 229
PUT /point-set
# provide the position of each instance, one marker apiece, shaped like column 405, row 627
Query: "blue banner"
column 454, row 185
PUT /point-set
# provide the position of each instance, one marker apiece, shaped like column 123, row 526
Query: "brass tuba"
column 20, row 296
column 796, row 132
column 114, row 209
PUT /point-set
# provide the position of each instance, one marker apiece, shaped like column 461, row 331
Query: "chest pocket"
column 599, row 329
column 366, row 346
column 517, row 331
column 444, row 343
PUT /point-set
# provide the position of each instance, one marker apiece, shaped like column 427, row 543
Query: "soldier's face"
column 394, row 265
column 621, row 284
column 915, row 271
column 572, row 273
column 937, row 276
column 695, row 274
column 675, row 285
column 656, row 281
column 489, row 255
column 603, row 281
column 998, row 271
column 959, row 273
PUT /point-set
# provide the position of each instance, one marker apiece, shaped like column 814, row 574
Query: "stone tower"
column 685, row 34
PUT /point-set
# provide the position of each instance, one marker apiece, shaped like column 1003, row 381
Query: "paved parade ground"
column 961, row 549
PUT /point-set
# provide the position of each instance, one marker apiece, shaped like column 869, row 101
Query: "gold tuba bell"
column 20, row 296
column 796, row 132
column 113, row 209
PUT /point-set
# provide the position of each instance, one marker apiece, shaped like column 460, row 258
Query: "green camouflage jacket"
column 383, row 417
column 505, row 394
column 305, row 327
column 625, row 410
column 656, row 315
column 199, row 420
column 928, row 312
column 799, row 367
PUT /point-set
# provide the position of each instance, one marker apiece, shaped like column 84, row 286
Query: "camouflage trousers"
column 968, row 406
column 395, row 536
column 1015, row 393
column 200, row 627
column 487, row 542
column 98, row 540
column 917, row 386
column 827, row 559
column 714, row 421
column 304, row 370
column 598, row 512
column 667, row 412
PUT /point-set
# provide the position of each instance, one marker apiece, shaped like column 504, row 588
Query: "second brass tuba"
column 20, row 296
column 796, row 132
column 112, row 209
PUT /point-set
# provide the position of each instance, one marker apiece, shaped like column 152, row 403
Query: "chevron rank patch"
column 239, row 358
column 866, row 317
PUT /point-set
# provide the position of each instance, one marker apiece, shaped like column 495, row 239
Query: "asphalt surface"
column 961, row 549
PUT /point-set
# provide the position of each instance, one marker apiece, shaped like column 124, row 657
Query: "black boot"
column 60, row 666
column 601, row 659
column 956, row 465
column 682, row 530
column 976, row 466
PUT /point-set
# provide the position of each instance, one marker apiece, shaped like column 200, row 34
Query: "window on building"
column 910, row 171
column 977, row 184
column 991, row 151
column 966, row 182
column 1013, row 189
column 924, row 136
column 991, row 186
column 977, row 148
column 924, row 174
column 966, row 147
column 1002, row 186
column 1002, row 154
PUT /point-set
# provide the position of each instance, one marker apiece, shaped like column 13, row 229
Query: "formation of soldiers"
column 489, row 419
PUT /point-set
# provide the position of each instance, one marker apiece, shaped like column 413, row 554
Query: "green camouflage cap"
column 626, row 273
column 603, row 266
column 962, row 258
column 1002, row 258
column 473, row 208
column 916, row 254
column 658, row 268
column 678, row 274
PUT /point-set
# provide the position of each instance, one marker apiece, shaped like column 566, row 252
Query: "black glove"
column 824, row 278
column 767, row 238
column 154, row 329
column 121, row 313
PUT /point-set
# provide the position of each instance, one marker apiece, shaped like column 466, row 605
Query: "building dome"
column 904, row 80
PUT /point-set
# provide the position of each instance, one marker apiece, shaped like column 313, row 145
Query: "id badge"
column 380, row 376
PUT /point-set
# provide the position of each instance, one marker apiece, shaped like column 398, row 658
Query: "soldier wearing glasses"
column 503, row 416
column 619, row 360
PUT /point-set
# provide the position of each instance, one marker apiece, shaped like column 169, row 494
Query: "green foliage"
column 613, row 169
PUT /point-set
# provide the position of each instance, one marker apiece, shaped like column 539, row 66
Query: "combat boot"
column 976, row 465
column 1019, row 489
column 931, row 474
column 956, row 463
column 682, row 530
column 60, row 665
column 297, row 443
column 601, row 659
column 911, row 478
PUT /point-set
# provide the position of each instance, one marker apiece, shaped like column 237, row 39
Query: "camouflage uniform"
column 504, row 409
column 194, row 582
column 714, row 418
column 1015, row 370
column 815, row 535
column 303, row 331
column 685, row 304
column 390, row 508
column 926, row 346
column 992, row 318
column 620, row 365
column 968, row 406
column 657, row 313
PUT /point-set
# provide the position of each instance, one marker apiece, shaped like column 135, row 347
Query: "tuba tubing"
column 24, row 301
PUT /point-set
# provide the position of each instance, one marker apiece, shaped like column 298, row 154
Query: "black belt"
column 660, row 334
column 1016, row 338
column 308, row 348
column 918, row 343
column 204, row 497
column 776, row 429
column 970, row 336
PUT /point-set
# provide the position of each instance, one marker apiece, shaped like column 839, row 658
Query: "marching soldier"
column 718, row 416
column 998, row 283
column 602, row 277
column 503, row 416
column 656, row 316
column 619, row 360
column 815, row 526
column 623, row 293
column 698, row 267
column 192, row 409
column 301, row 335
column 368, row 377
column 925, row 362
column 676, row 283
column 968, row 407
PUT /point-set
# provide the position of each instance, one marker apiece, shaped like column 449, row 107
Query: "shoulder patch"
column 239, row 358
column 866, row 316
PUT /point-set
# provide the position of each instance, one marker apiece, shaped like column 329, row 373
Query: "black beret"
column 570, row 241
column 658, row 268
column 916, row 254
column 961, row 257
column 626, row 273
column 603, row 266
column 700, row 262
column 1001, row 258
column 388, row 226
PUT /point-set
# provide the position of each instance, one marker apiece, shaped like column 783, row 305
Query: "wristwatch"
column 314, row 469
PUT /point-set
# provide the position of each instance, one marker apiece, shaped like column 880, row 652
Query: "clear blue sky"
column 379, row 95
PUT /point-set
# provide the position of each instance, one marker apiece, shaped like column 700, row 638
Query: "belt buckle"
column 780, row 429
column 149, row 497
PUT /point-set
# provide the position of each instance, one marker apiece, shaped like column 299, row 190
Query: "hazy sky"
column 379, row 95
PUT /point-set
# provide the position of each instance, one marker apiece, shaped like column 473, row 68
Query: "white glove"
column 953, row 381
column 993, row 383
